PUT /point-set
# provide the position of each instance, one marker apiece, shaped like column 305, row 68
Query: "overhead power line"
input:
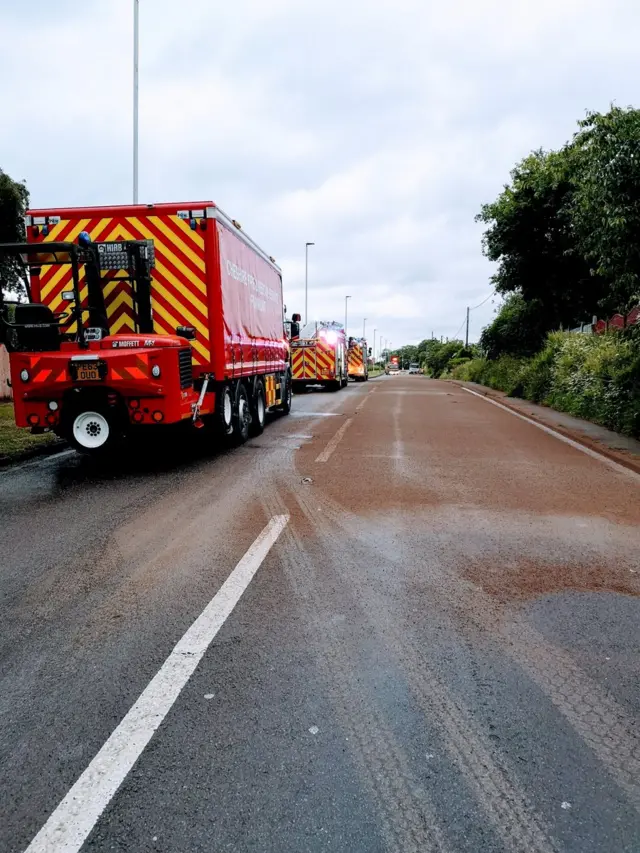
column 481, row 303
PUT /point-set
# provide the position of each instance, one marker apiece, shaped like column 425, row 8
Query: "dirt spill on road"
column 526, row 579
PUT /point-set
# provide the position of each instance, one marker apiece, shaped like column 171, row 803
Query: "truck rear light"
column 53, row 406
column 138, row 416
column 51, row 419
column 158, row 416
column 155, row 371
column 24, row 375
column 134, row 403
column 33, row 420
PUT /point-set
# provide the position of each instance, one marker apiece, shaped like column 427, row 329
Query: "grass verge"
column 18, row 443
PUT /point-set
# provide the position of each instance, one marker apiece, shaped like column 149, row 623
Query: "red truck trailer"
column 145, row 315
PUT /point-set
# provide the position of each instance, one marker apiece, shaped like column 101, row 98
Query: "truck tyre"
column 223, row 417
column 93, row 432
column 258, row 409
column 241, row 415
column 285, row 406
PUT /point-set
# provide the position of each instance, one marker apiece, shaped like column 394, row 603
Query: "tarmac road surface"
column 402, row 619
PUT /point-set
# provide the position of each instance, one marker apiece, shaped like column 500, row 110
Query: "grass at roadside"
column 15, row 442
column 375, row 371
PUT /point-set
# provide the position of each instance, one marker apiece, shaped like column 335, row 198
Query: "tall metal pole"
column 374, row 346
column 136, row 10
column 306, row 281
column 466, row 340
column 346, row 305
column 364, row 327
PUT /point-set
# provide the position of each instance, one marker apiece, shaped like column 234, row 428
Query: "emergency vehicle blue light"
column 83, row 238
column 45, row 230
column 192, row 224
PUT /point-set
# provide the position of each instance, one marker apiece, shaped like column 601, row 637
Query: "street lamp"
column 374, row 346
column 346, row 305
column 306, row 281
column 364, row 326
column 136, row 10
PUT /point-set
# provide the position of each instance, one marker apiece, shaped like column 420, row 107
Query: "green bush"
column 596, row 377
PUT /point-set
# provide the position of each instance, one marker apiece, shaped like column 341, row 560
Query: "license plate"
column 88, row 371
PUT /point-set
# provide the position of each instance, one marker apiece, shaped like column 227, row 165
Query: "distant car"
column 414, row 368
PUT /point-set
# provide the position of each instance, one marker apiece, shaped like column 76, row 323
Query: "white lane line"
column 575, row 444
column 77, row 814
column 335, row 441
column 369, row 393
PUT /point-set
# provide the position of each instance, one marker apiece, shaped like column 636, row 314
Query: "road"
column 435, row 648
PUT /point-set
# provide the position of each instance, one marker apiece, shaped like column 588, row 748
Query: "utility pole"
column 136, row 11
column 306, row 281
column 364, row 326
column 374, row 346
column 346, row 305
column 466, row 340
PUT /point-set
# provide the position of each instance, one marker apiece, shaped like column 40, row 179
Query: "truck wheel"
column 241, row 415
column 223, row 417
column 92, row 432
column 258, row 410
column 285, row 406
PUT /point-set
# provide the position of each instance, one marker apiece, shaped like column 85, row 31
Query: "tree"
column 531, row 237
column 14, row 201
column 519, row 328
column 439, row 355
column 606, row 203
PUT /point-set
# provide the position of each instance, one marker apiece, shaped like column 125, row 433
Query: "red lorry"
column 145, row 315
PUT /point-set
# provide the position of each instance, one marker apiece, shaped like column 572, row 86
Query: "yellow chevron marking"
column 165, row 250
column 81, row 225
column 121, row 299
column 123, row 320
column 181, row 309
column 171, row 322
column 121, row 231
column 180, row 287
column 196, row 259
column 183, row 225
column 53, row 233
column 99, row 228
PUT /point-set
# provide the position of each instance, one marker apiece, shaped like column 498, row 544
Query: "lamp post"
column 364, row 326
column 136, row 10
column 346, row 305
column 374, row 346
column 306, row 281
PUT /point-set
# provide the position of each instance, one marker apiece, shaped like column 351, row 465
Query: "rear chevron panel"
column 179, row 285
column 315, row 361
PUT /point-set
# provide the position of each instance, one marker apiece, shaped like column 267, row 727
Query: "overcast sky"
column 375, row 129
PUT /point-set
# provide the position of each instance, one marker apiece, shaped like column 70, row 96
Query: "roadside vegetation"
column 16, row 443
column 564, row 235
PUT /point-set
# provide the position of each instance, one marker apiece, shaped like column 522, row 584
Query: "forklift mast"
column 130, row 260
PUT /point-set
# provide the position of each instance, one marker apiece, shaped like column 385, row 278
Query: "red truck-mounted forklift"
column 141, row 316
column 319, row 357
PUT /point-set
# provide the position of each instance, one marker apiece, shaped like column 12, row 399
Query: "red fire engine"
column 358, row 359
column 145, row 315
column 318, row 357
